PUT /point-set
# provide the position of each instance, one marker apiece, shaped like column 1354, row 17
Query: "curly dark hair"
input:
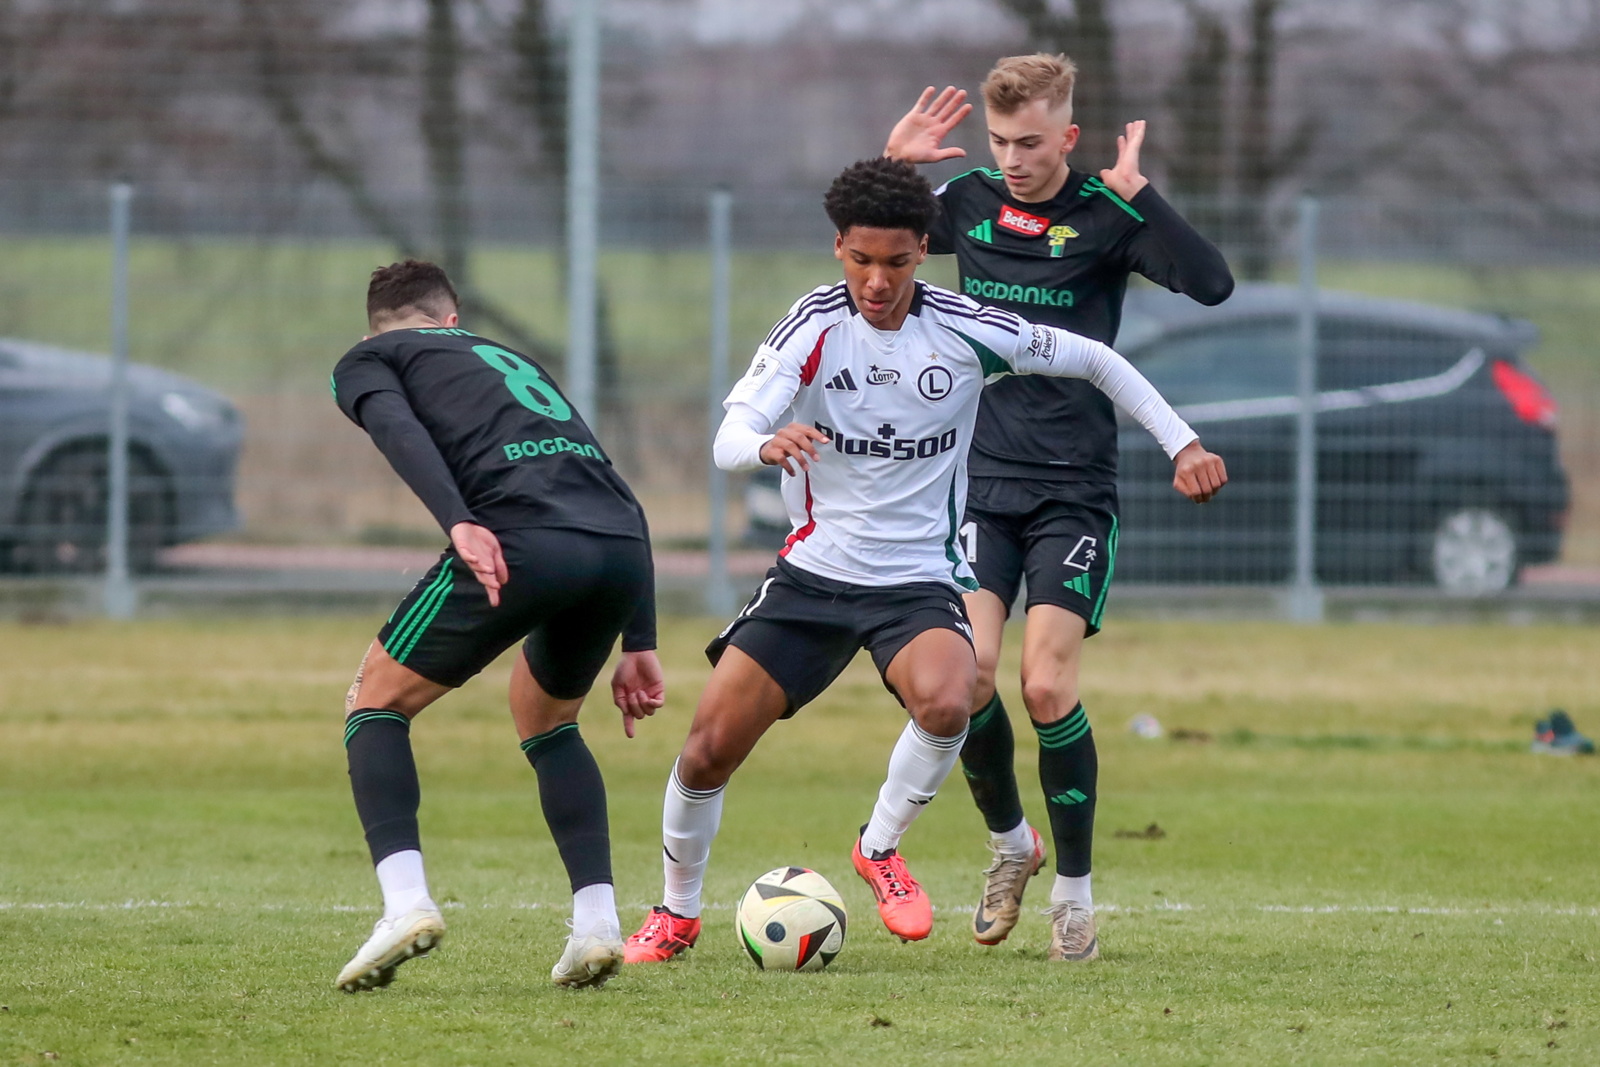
column 416, row 284
column 883, row 193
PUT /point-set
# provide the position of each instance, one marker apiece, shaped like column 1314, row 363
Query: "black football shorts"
column 1061, row 535
column 804, row 629
column 570, row 593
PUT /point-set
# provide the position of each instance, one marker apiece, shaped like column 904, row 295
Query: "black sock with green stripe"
column 383, row 777
column 1069, row 769
column 988, row 761
column 573, row 796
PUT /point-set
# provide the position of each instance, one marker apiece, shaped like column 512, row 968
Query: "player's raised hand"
column 792, row 445
column 638, row 687
column 1198, row 474
column 1124, row 179
column 479, row 549
column 916, row 137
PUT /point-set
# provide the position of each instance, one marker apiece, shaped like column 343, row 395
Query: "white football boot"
column 393, row 941
column 591, row 960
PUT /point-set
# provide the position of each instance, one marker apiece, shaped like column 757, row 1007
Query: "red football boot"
column 663, row 936
column 902, row 905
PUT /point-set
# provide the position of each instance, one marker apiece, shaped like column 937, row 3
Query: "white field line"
column 1488, row 910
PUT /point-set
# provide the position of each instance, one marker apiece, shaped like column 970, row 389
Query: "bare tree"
column 280, row 83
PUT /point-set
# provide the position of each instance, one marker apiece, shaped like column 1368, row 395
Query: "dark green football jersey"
column 520, row 455
column 1063, row 262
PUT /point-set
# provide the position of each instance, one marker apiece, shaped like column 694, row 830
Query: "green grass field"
column 1364, row 864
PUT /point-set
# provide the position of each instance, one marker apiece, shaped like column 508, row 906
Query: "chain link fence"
column 1457, row 405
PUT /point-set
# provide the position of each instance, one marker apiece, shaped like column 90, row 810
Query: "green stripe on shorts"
column 424, row 621
column 1111, row 568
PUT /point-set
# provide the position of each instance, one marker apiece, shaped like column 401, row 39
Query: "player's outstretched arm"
column 1198, row 474
column 919, row 136
column 1041, row 349
column 638, row 687
column 479, row 549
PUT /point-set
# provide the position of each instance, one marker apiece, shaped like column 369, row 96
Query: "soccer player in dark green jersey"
column 547, row 546
column 1055, row 245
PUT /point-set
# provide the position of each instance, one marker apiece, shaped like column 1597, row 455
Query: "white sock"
column 404, row 885
column 594, row 909
column 1076, row 889
column 689, row 821
column 918, row 766
column 1017, row 841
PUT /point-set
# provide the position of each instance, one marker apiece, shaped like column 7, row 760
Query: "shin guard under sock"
column 689, row 821
column 1069, row 770
column 918, row 765
column 573, row 797
column 988, row 761
column 383, row 778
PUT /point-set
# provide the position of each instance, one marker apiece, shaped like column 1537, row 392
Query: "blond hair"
column 1017, row 81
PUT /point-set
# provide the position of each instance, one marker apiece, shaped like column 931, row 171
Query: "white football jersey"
column 885, row 501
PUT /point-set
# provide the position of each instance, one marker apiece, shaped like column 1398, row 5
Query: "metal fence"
column 1455, row 395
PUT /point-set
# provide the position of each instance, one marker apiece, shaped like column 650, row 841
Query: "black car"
column 1436, row 445
column 54, row 413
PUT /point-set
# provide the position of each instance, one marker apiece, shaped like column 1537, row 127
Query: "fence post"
column 583, row 203
column 1305, row 600
column 719, row 586
column 119, row 592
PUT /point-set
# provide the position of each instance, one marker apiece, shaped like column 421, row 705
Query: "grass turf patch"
column 1365, row 866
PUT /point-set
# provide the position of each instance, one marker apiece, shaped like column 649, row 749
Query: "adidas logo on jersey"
column 843, row 382
column 983, row 231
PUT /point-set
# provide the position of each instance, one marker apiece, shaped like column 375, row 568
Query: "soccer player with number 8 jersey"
column 548, row 547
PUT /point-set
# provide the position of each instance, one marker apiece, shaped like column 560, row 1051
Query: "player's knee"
column 1048, row 695
column 941, row 716
column 705, row 762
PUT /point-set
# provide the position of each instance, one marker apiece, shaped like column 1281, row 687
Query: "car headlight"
column 195, row 413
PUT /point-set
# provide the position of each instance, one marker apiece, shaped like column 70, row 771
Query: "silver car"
column 54, row 418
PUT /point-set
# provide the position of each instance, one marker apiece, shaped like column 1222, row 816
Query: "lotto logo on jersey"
column 887, row 446
column 1022, row 222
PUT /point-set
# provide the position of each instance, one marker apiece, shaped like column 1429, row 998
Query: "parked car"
column 54, row 412
column 1436, row 449
column 1436, row 445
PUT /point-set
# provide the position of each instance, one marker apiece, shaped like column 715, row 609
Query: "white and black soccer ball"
column 791, row 919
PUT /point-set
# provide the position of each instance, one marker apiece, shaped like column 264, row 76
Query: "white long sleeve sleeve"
column 740, row 438
column 1062, row 354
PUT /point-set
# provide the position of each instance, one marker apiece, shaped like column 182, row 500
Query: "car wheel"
column 63, row 515
column 1474, row 551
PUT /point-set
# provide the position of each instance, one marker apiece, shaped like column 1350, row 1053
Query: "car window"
column 1355, row 353
column 1233, row 361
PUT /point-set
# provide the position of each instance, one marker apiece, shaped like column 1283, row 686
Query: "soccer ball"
column 791, row 919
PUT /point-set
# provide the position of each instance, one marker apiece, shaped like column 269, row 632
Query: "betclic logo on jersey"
column 887, row 446
column 1022, row 222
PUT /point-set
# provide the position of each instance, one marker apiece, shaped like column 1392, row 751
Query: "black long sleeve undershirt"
column 1193, row 266
column 404, row 442
column 640, row 633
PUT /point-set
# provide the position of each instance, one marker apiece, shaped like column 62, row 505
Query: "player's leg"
column 740, row 702
column 1071, row 562
column 594, row 584
column 443, row 633
column 379, row 707
column 933, row 673
column 996, row 516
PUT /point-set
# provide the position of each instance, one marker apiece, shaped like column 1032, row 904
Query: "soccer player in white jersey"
column 866, row 394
